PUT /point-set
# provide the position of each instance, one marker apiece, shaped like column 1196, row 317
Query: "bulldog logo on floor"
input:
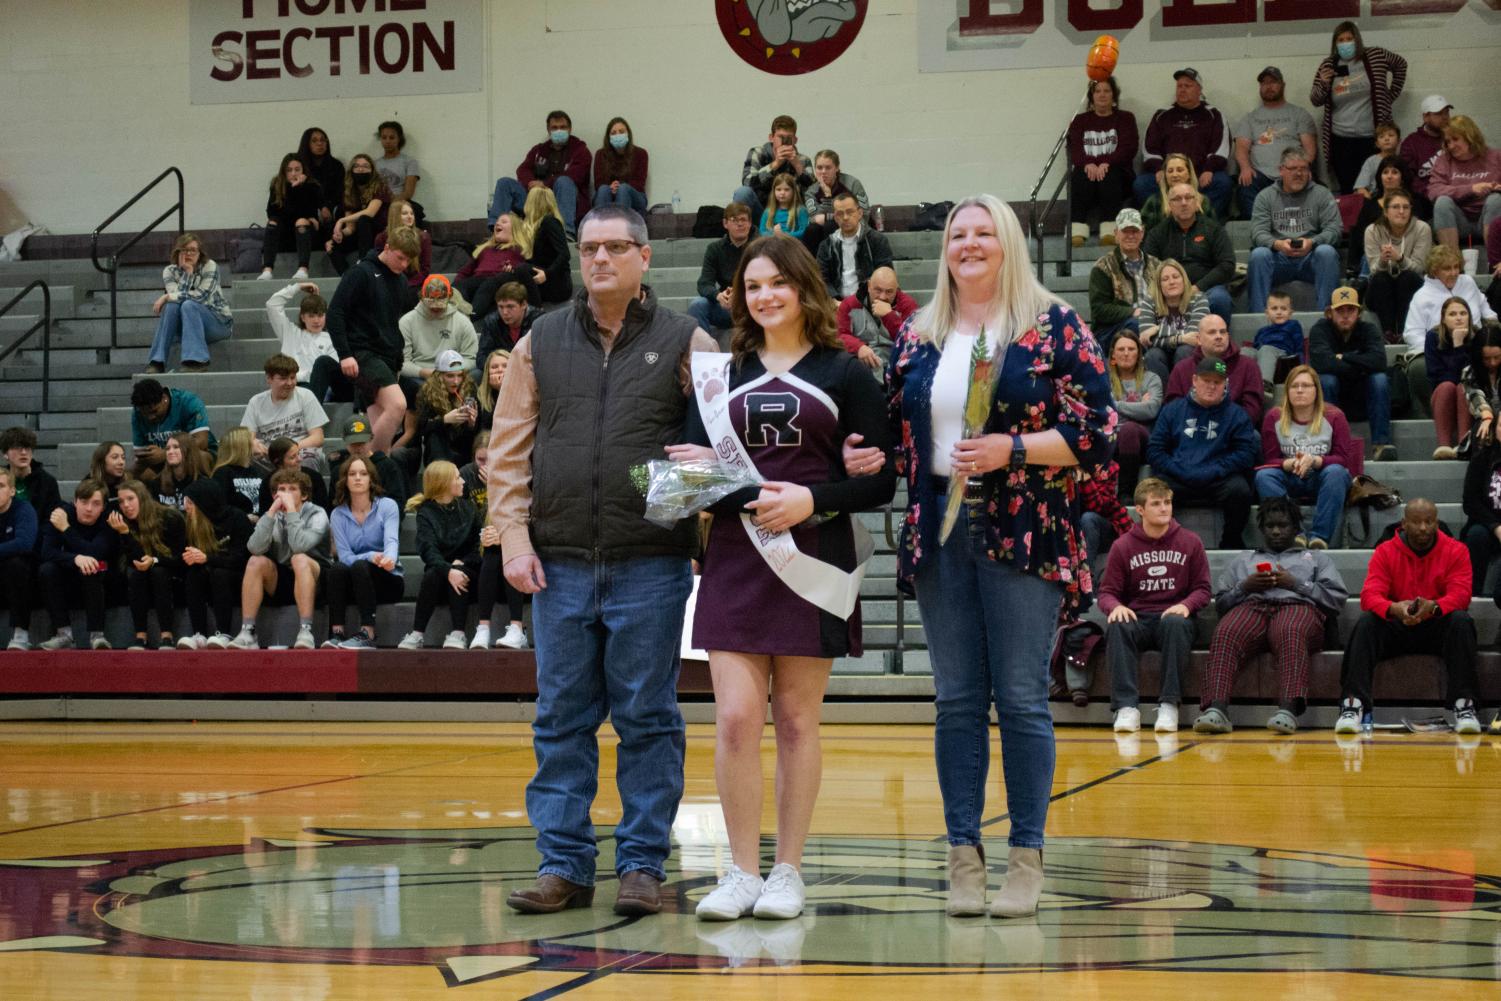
column 438, row 897
column 788, row 37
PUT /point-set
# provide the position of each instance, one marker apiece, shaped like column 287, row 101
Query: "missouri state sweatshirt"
column 1150, row 575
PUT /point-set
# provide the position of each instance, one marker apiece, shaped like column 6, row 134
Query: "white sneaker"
column 734, row 897
column 455, row 640
column 304, row 640
column 245, row 640
column 300, row 275
column 411, row 641
column 98, row 642
column 20, row 639
column 782, row 894
column 481, row 637
column 218, row 641
column 1465, row 719
column 264, row 276
column 1349, row 717
column 62, row 641
column 193, row 642
column 515, row 637
column 1167, row 718
column 1127, row 719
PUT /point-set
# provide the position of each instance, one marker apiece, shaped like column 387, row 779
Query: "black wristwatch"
column 1018, row 452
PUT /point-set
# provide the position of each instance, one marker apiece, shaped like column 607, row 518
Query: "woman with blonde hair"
column 447, row 412
column 551, row 264
column 153, row 537
column 501, row 258
column 236, row 471
column 1176, row 169
column 1138, row 399
column 401, row 214
column 1169, row 318
column 192, row 309
column 1465, row 184
column 448, row 542
column 1307, row 454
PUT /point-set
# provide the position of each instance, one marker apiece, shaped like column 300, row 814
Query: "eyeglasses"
column 615, row 248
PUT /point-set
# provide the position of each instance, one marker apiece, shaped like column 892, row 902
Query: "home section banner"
column 299, row 50
column 1012, row 34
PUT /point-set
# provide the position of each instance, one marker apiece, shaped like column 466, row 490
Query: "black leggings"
column 1388, row 296
column 353, row 248
column 1093, row 202
column 64, row 587
column 15, row 573
column 492, row 579
column 371, row 585
column 151, row 589
column 435, row 588
column 284, row 234
column 1347, row 154
column 221, row 585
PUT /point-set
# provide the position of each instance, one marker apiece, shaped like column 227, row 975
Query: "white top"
column 848, row 279
column 297, row 343
column 950, row 393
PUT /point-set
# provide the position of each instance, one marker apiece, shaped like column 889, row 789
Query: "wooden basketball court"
column 359, row 861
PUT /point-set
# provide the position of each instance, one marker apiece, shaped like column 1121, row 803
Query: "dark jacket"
column 872, row 250
column 612, row 166
column 366, row 308
column 232, row 526
column 721, row 258
column 1484, row 470
column 494, row 335
column 1363, row 353
column 1244, row 386
column 1199, row 134
column 301, row 202
column 1195, row 444
column 1444, row 364
column 18, row 530
column 447, row 532
column 597, row 417
column 1113, row 293
column 546, row 163
column 1204, row 249
column 40, row 489
column 97, row 540
column 174, row 538
column 241, row 486
column 550, row 253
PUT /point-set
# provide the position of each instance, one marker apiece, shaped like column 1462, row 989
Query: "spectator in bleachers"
column 213, row 563
column 1396, row 250
column 1465, row 184
column 829, row 182
column 236, row 473
column 1281, row 337
column 1194, row 238
column 552, row 265
column 316, row 154
column 1138, row 398
column 77, row 567
column 1168, row 317
column 778, row 155
column 1482, row 380
column 401, row 214
column 1307, row 454
column 869, row 321
column 364, row 323
column 281, row 454
column 487, row 392
column 500, row 260
column 286, row 410
column 362, row 215
column 1348, row 353
column 18, row 546
column 183, row 462
column 1120, row 279
column 717, row 275
column 432, row 327
column 560, row 164
column 108, row 466
column 1262, row 135
column 492, row 580
column 1415, row 600
column 1176, row 169
column 1493, row 261
column 1356, row 85
column 785, row 212
column 1276, row 598
column 851, row 253
column 1421, row 149
column 1482, row 508
column 1156, row 582
column 366, row 529
column 1102, row 143
column 291, row 217
column 1368, row 182
column 503, row 326
column 33, row 483
column 1446, row 354
column 1446, row 278
column 1193, row 127
column 447, row 412
column 1244, row 386
column 357, row 443
column 307, row 342
column 191, row 310
column 1295, row 226
column 1103, row 520
column 399, row 171
column 1391, row 178
column 448, row 542
column 152, row 539
column 620, row 168
column 289, row 551
column 1204, row 447
column 157, row 413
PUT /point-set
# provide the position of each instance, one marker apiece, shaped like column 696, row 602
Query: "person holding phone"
column 778, row 155
column 1295, row 226
column 1356, row 85
column 447, row 412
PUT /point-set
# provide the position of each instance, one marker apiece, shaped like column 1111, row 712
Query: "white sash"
column 823, row 584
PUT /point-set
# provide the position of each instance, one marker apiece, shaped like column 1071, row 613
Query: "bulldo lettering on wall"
column 789, row 37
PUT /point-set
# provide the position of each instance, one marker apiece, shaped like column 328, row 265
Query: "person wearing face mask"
column 620, row 168
column 1356, row 85
column 353, row 233
column 560, row 162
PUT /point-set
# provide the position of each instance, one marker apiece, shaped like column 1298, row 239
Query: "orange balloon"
column 1102, row 56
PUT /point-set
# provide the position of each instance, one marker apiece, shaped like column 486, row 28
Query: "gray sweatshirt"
column 282, row 535
column 1310, row 213
column 1318, row 582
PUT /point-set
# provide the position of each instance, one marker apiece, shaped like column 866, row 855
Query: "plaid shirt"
column 758, row 173
column 1100, row 494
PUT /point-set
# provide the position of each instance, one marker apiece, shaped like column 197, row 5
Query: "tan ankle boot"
column 1018, row 897
column 966, row 881
column 1079, row 233
column 1107, row 234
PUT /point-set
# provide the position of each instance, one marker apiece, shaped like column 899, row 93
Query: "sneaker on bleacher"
column 411, row 641
column 192, row 642
column 481, row 637
column 454, row 640
column 514, row 639
column 245, row 639
column 20, row 639
column 218, row 641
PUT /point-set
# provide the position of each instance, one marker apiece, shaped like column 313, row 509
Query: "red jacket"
column 572, row 160
column 904, row 307
column 1396, row 573
column 1244, row 383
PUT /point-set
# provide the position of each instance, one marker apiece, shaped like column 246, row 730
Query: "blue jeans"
column 745, row 196
column 192, row 323
column 510, row 196
column 1268, row 269
column 990, row 632
column 1326, row 487
column 1378, row 400
column 1219, row 302
column 1246, row 193
column 608, row 638
column 709, row 313
column 627, row 196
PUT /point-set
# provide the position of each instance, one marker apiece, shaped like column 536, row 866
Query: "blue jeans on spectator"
column 608, row 640
column 709, row 313
column 1099, row 536
column 510, row 196
column 1269, row 269
column 194, row 324
column 1104, row 335
column 627, row 196
column 1325, row 486
column 745, row 196
column 990, row 633
column 1218, row 192
column 1378, row 400
column 1246, row 193
column 1219, row 302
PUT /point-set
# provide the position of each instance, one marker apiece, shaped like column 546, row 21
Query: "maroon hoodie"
column 1244, row 386
column 1150, row 575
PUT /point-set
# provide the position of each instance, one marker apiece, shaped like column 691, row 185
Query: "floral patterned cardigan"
column 1053, row 377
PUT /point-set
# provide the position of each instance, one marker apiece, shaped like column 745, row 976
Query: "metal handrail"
column 112, row 265
column 1063, row 187
column 45, row 323
column 897, row 655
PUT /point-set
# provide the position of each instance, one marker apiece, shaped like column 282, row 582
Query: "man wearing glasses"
column 849, row 255
column 591, row 391
column 778, row 155
column 1294, row 227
